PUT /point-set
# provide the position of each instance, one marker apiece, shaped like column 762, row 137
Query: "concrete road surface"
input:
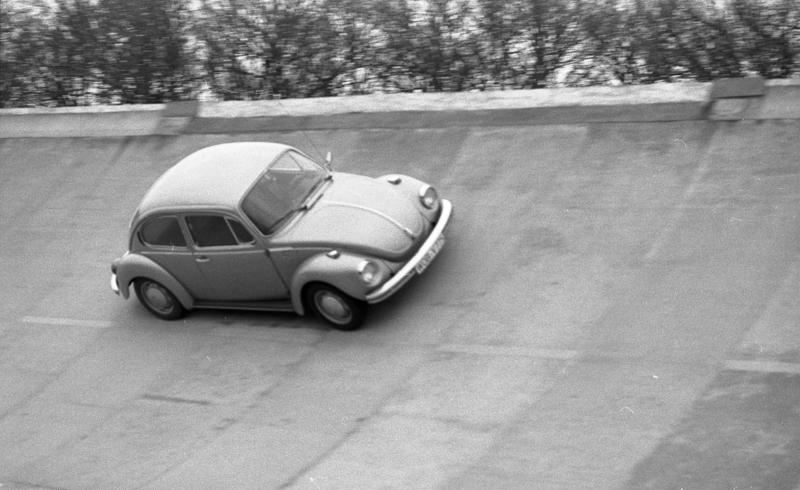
column 617, row 307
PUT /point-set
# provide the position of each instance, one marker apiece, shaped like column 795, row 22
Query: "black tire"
column 343, row 312
column 158, row 300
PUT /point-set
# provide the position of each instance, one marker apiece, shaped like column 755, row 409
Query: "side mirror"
column 328, row 161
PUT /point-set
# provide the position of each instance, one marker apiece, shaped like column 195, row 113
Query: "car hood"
column 358, row 214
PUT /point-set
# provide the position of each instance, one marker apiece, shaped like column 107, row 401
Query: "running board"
column 278, row 305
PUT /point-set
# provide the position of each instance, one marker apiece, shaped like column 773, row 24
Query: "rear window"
column 163, row 231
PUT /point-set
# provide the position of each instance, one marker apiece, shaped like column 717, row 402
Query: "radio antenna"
column 303, row 131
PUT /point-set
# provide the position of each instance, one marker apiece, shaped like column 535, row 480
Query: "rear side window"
column 164, row 231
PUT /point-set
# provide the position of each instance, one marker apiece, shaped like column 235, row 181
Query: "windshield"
column 282, row 190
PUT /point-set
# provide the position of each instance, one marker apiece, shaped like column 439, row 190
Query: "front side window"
column 240, row 231
column 210, row 231
column 282, row 190
column 217, row 231
column 163, row 231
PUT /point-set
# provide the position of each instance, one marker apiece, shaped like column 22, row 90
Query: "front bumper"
column 432, row 245
column 114, row 283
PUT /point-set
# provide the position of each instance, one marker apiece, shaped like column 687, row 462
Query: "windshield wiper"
column 307, row 205
column 316, row 193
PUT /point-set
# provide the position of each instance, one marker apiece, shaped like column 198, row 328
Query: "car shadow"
column 136, row 315
column 255, row 319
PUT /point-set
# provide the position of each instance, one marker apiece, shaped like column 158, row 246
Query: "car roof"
column 214, row 177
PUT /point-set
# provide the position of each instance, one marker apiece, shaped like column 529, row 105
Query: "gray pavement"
column 617, row 308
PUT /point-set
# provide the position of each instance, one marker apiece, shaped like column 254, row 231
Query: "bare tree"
column 500, row 41
column 770, row 39
column 553, row 33
column 25, row 75
column 142, row 49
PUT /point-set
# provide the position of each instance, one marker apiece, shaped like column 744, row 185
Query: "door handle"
column 202, row 258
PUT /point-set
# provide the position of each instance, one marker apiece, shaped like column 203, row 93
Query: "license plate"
column 430, row 255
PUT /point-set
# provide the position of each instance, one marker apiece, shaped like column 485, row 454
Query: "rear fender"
column 340, row 272
column 132, row 266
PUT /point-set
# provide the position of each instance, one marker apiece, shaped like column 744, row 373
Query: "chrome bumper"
column 409, row 270
column 114, row 283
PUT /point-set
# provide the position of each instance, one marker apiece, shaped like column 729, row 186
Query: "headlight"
column 369, row 272
column 428, row 196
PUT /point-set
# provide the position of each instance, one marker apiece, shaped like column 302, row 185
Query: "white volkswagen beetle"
column 261, row 226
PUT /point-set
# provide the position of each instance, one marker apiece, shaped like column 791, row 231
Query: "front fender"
column 131, row 266
column 340, row 272
column 405, row 183
column 410, row 187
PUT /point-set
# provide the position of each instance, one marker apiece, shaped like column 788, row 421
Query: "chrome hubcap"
column 157, row 298
column 333, row 307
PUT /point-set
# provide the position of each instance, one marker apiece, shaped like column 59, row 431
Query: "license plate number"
column 430, row 255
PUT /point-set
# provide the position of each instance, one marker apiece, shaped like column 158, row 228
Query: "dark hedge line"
column 77, row 52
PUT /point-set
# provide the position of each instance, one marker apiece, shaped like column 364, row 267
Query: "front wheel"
column 158, row 299
column 340, row 310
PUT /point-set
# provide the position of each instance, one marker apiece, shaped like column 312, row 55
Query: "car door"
column 232, row 261
column 165, row 243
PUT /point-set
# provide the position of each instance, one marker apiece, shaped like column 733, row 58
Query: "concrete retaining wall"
column 650, row 103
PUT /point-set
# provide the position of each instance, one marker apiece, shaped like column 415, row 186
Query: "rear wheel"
column 158, row 299
column 343, row 312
